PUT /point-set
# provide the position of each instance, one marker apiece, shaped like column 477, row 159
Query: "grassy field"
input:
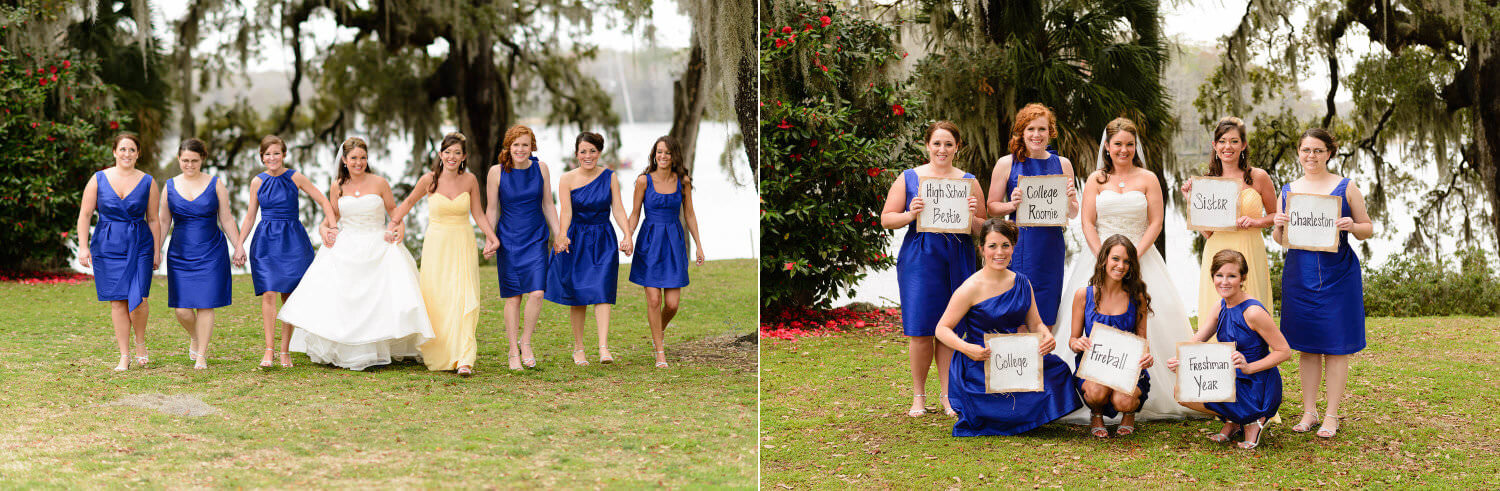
column 1421, row 412
column 67, row 420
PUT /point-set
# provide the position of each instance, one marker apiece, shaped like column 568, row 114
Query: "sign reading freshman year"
column 1214, row 204
column 1205, row 372
column 1114, row 360
column 1044, row 201
column 945, row 205
column 1015, row 363
column 1311, row 221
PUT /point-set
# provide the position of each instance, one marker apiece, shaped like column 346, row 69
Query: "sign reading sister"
column 1214, row 204
column 945, row 205
column 1311, row 221
column 1044, row 201
column 1114, row 360
column 1015, row 364
column 1205, row 372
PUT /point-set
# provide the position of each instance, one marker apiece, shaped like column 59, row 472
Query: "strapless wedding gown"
column 360, row 303
column 1125, row 214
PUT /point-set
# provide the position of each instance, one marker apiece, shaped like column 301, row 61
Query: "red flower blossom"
column 813, row 144
column 54, row 78
column 114, row 125
column 52, row 69
column 786, row 29
column 42, row 81
column 51, row 138
column 67, row 64
column 780, row 43
column 824, row 21
column 806, row 27
column 874, row 171
column 789, row 266
column 784, row 125
column 33, row 125
column 796, row 157
column 824, row 67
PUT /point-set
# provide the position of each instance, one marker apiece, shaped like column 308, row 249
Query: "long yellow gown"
column 450, row 283
column 1249, row 242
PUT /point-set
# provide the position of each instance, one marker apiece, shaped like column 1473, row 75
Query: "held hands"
column 561, row 244
column 1079, row 345
column 239, row 256
column 626, row 247
column 976, row 352
column 329, row 234
column 156, row 261
column 491, row 244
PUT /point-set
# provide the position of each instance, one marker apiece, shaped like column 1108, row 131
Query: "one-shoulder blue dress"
column 198, row 257
column 522, row 230
column 1008, row 413
column 586, row 274
column 661, row 259
column 280, row 250
column 1124, row 322
column 1322, row 295
column 1039, row 251
column 121, row 245
column 1256, row 395
column 929, row 267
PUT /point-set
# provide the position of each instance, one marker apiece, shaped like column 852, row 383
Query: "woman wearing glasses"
column 1322, row 293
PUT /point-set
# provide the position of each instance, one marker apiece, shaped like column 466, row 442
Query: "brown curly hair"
column 1134, row 287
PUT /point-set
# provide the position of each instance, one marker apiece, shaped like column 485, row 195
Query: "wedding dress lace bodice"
column 363, row 213
column 1122, row 214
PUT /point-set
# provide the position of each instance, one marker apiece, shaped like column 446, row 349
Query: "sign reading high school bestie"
column 1312, row 221
column 1015, row 363
column 1214, row 204
column 1205, row 372
column 1044, row 201
column 1114, row 360
column 945, row 205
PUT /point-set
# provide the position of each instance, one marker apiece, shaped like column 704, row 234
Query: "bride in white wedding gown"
column 360, row 303
column 1129, row 203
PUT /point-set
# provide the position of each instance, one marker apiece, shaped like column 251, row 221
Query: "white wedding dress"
column 360, row 303
column 1125, row 214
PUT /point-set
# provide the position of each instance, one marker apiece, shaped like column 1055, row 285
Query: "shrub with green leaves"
column 1411, row 285
column 835, row 131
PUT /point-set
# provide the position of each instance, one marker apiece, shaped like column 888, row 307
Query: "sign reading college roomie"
column 1044, row 201
column 1311, row 221
column 1205, row 372
column 1214, row 204
column 1015, row 363
column 1114, row 360
column 945, row 205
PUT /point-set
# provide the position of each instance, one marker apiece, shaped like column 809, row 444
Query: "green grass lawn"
column 67, row 420
column 1422, row 411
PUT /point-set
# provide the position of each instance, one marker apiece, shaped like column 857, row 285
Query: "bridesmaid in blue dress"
column 1041, row 250
column 998, row 300
column 197, row 257
column 520, row 210
column 660, row 264
column 586, row 268
column 280, row 250
column 1322, row 293
column 126, row 245
column 1116, row 286
column 1259, row 348
column 929, row 265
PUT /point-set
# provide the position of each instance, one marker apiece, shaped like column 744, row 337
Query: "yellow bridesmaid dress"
column 1249, row 242
column 450, row 283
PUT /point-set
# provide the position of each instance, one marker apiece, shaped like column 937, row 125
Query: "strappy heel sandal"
column 200, row 362
column 124, row 363
column 1099, row 430
column 1327, row 432
column 1249, row 445
column 582, row 363
column 1125, row 429
column 1304, row 426
column 465, row 371
column 916, row 413
column 143, row 361
column 1222, row 437
column 605, row 357
column 947, row 409
column 286, row 357
column 529, row 362
column 268, row 362
column 661, row 364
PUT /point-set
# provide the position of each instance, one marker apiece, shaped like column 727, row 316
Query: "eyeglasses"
column 1312, row 151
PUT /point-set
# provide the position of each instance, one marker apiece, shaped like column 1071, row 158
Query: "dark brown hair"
column 1227, row 124
column 948, row 126
column 1002, row 226
column 115, row 142
column 1324, row 136
column 672, row 148
column 267, row 141
column 511, row 135
column 349, row 145
column 593, row 138
column 454, row 138
column 1024, row 118
column 1134, row 287
column 193, row 145
column 1229, row 256
column 1110, row 130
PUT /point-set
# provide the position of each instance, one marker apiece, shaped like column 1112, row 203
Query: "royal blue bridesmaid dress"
column 929, row 267
column 661, row 259
column 1124, row 322
column 587, row 272
column 198, row 257
column 1010, row 413
column 121, row 245
column 1322, row 295
column 1257, row 395
column 522, row 230
column 1039, row 251
column 280, row 251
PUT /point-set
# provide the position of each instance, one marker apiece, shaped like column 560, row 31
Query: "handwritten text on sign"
column 1014, row 365
column 1114, row 360
column 1205, row 372
column 945, row 205
column 1311, row 221
column 1044, row 201
column 1214, row 204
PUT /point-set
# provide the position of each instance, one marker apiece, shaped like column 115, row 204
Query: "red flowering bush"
column 828, row 137
column 52, row 139
column 791, row 324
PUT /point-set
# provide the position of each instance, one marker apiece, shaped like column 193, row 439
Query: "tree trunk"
column 483, row 104
column 688, row 103
column 1487, row 124
column 745, row 98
